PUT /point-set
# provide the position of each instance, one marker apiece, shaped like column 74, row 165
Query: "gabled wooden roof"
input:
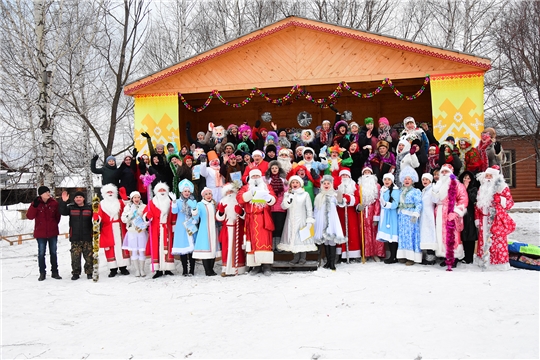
column 305, row 52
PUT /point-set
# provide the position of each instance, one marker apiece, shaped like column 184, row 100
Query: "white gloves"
column 247, row 196
column 310, row 220
column 172, row 196
column 477, row 223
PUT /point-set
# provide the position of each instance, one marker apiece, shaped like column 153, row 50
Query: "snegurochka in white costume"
column 328, row 229
column 297, row 202
column 136, row 237
column 428, row 237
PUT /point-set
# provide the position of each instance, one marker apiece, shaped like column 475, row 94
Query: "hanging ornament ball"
column 347, row 115
column 304, row 119
column 266, row 117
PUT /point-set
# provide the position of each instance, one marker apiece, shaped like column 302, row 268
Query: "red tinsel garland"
column 451, row 225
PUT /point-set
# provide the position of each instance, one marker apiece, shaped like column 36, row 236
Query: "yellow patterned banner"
column 158, row 116
column 458, row 106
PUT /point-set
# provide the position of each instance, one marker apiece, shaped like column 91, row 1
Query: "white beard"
column 369, row 189
column 163, row 203
column 442, row 186
column 347, row 186
column 285, row 164
column 334, row 164
column 257, row 184
column 230, row 213
column 485, row 195
column 111, row 206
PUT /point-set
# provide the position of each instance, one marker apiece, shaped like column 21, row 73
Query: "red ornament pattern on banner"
column 264, row 34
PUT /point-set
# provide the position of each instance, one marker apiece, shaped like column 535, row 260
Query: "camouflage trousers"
column 85, row 249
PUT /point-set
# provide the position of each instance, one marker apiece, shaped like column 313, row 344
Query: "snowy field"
column 367, row 310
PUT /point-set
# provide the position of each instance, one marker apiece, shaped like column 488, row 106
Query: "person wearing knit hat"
column 328, row 230
column 388, row 221
column 450, row 197
column 202, row 140
column 256, row 198
column 387, row 133
column 80, row 232
column 428, row 236
column 340, row 134
column 108, row 171
column 382, row 161
column 276, row 177
column 493, row 222
column 206, row 246
column 368, row 134
column 44, row 210
column 490, row 149
column 136, row 236
column 370, row 210
column 270, row 152
column 299, row 208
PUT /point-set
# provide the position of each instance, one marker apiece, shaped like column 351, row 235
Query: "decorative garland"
column 322, row 103
column 451, row 225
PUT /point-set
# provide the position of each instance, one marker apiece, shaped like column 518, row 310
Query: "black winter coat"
column 80, row 221
column 109, row 173
column 127, row 177
column 470, row 232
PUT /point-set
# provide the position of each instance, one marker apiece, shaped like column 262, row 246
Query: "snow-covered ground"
column 367, row 310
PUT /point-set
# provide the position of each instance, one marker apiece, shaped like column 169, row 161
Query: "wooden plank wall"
column 386, row 103
column 525, row 188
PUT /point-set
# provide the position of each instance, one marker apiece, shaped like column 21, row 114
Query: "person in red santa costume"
column 162, row 221
column 493, row 222
column 112, row 230
column 256, row 198
column 258, row 163
column 371, row 211
column 451, row 199
column 347, row 196
column 233, row 257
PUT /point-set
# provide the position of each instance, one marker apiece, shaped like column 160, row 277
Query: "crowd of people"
column 241, row 193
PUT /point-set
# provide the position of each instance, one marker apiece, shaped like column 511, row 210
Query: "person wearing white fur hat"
column 452, row 200
column 348, row 198
column 233, row 256
column 370, row 207
column 428, row 237
column 328, row 230
column 112, row 230
column 256, row 198
column 185, row 229
column 158, row 212
column 206, row 245
column 494, row 224
column 137, row 236
column 299, row 208
column 409, row 210
column 388, row 220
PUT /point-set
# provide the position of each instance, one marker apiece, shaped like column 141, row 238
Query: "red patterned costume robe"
column 111, row 236
column 258, row 228
column 497, row 226
column 231, row 237
column 350, row 223
column 160, row 237
column 370, row 215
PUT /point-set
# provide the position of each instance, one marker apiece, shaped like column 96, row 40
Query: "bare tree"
column 515, row 85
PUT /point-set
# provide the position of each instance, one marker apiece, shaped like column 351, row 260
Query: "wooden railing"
column 18, row 239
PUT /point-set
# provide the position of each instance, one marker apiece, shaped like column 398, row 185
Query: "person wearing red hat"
column 256, row 198
column 494, row 224
column 44, row 210
column 451, row 198
column 347, row 200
